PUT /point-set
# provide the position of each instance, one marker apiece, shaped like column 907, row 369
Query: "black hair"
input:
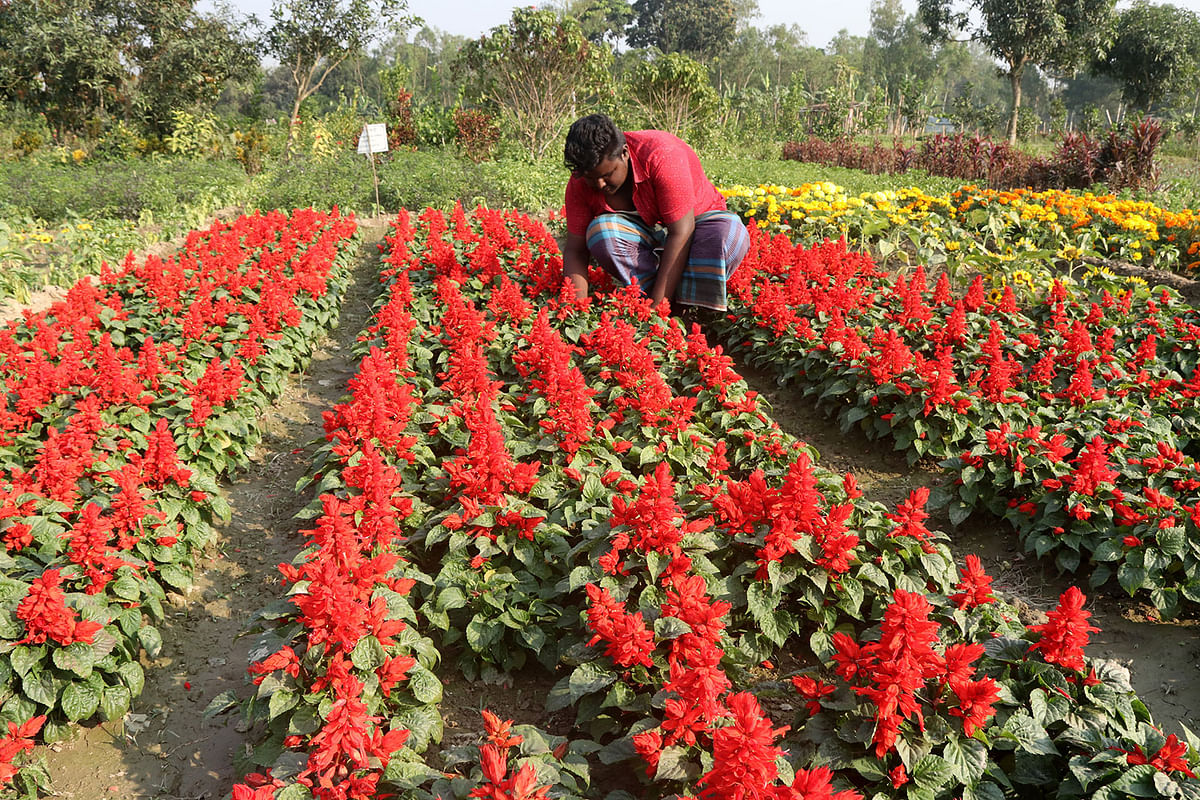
column 590, row 140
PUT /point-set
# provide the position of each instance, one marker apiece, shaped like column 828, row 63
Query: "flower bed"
column 985, row 229
column 124, row 403
column 1074, row 418
column 586, row 488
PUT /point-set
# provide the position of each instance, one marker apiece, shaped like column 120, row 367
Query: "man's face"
column 610, row 174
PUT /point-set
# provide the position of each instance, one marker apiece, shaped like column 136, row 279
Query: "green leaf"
column 57, row 730
column 295, row 791
column 76, row 657
column 1030, row 736
column 931, row 772
column 305, row 721
column 410, row 775
column 425, row 686
column 534, row 637
column 126, row 587
column 763, row 602
column 22, row 658
column 424, row 724
column 114, row 702
column 649, row 455
column 674, row 766
column 450, row 598
column 1171, row 541
column 368, row 655
column 40, row 688
column 132, row 676
column 483, row 633
column 79, row 701
column 821, row 643
column 968, row 757
column 1130, row 577
column 580, row 577
column 588, row 677
column 593, row 489
column 175, row 577
column 670, row 628
column 852, row 595
column 225, row 701
column 984, row 791
column 151, row 640
column 281, row 701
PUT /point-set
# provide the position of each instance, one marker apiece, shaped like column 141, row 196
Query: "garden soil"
column 166, row 749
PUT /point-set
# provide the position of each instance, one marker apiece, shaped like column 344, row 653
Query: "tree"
column 536, row 69
column 79, row 61
column 1020, row 33
column 188, row 69
column 673, row 93
column 426, row 63
column 1155, row 53
column 312, row 37
column 600, row 20
column 700, row 28
column 763, row 57
column 898, row 60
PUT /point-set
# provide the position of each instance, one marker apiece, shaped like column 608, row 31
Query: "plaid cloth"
column 628, row 249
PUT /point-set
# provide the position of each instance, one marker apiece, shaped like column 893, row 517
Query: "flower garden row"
column 123, row 405
column 1075, row 418
column 521, row 479
column 986, row 229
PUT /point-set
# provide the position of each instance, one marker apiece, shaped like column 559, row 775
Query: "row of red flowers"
column 1073, row 417
column 124, row 403
column 591, row 487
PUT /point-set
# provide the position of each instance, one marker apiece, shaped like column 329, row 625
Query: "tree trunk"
column 1014, row 79
column 291, row 137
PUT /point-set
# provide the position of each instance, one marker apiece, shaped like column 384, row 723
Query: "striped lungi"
column 628, row 249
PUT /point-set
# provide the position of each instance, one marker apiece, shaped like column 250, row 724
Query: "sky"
column 819, row 19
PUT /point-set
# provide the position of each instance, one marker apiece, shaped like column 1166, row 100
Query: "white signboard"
column 373, row 139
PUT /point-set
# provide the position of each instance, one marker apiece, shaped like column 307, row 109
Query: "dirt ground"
column 166, row 750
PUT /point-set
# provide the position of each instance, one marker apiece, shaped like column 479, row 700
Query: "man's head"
column 590, row 140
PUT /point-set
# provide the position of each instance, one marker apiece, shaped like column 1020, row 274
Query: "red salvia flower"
column 1065, row 633
column 975, row 588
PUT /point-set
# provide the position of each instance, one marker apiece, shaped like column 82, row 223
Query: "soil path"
column 1164, row 657
column 165, row 749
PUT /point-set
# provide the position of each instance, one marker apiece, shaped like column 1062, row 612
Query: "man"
column 639, row 205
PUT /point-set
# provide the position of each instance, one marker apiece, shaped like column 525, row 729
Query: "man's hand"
column 575, row 263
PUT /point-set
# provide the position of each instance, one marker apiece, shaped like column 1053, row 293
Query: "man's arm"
column 575, row 263
column 674, row 257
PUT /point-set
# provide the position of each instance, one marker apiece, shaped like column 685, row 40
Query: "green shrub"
column 525, row 185
column 342, row 180
column 438, row 178
column 126, row 189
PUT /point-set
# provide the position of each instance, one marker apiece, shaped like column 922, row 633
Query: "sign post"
column 372, row 140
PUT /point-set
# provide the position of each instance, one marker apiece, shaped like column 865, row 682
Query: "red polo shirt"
column 668, row 181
